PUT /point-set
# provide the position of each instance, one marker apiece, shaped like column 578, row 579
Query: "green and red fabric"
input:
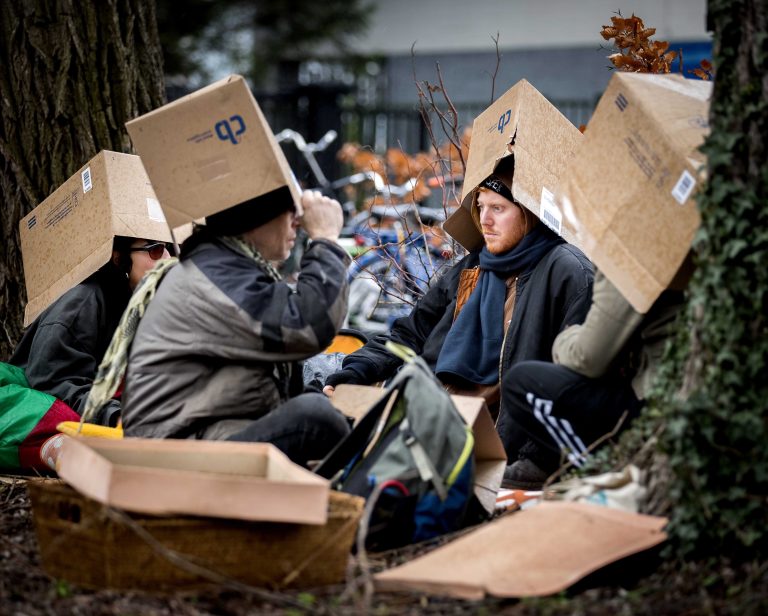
column 28, row 418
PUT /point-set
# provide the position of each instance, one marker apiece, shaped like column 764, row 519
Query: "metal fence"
column 377, row 127
column 382, row 128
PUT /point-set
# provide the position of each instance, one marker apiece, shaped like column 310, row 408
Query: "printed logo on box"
column 32, row 222
column 224, row 129
column 504, row 119
column 621, row 102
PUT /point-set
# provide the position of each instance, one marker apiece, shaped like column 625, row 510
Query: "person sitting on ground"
column 216, row 354
column 497, row 306
column 601, row 375
column 61, row 350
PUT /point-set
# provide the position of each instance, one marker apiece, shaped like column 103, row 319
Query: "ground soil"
column 644, row 585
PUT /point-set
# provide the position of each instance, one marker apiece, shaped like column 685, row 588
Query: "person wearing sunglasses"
column 61, row 350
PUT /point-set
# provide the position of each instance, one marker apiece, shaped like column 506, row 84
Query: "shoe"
column 523, row 475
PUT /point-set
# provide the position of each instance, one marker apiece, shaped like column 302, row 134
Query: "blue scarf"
column 472, row 347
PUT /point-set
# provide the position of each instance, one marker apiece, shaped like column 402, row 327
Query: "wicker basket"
column 94, row 546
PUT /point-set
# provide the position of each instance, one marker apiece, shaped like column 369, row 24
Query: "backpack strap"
column 427, row 470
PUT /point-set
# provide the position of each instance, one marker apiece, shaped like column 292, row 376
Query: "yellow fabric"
column 73, row 428
column 344, row 343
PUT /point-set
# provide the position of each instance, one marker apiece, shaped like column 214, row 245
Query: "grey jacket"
column 616, row 337
column 217, row 345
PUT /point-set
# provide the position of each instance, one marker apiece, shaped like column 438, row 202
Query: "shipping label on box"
column 209, row 151
column 68, row 236
column 630, row 188
column 526, row 126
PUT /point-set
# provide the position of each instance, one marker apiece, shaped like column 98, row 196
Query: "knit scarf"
column 112, row 369
column 472, row 347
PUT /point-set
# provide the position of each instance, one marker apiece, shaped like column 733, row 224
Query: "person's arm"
column 62, row 362
column 591, row 347
column 373, row 362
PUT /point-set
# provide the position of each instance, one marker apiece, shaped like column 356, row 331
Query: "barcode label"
column 550, row 214
column 87, row 185
column 684, row 187
column 154, row 210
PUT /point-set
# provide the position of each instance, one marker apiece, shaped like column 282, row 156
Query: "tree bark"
column 71, row 74
column 717, row 433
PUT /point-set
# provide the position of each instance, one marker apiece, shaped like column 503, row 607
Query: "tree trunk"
column 717, row 436
column 71, row 74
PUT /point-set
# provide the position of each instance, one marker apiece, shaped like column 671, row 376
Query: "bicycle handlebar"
column 381, row 187
column 301, row 145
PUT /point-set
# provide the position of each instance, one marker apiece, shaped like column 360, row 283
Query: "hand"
column 328, row 390
column 322, row 217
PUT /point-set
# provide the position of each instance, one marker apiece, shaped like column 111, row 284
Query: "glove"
column 349, row 376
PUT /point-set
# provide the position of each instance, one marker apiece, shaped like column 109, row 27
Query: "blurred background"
column 352, row 65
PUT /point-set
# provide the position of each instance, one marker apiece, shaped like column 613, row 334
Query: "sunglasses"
column 155, row 250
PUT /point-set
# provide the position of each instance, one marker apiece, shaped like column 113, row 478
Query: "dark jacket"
column 62, row 349
column 554, row 294
column 217, row 345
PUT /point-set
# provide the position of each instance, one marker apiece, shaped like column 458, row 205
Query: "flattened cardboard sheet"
column 523, row 124
column 535, row 552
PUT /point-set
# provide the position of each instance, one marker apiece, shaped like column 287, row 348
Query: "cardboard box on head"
column 209, row 151
column 631, row 187
column 526, row 126
column 69, row 236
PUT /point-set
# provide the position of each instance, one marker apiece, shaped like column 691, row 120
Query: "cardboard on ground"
column 539, row 551
column 525, row 125
column 245, row 481
column 209, row 151
column 630, row 189
column 69, row 235
column 490, row 457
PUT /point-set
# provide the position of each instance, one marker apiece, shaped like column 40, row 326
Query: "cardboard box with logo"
column 524, row 125
column 490, row 457
column 630, row 190
column 68, row 236
column 209, row 151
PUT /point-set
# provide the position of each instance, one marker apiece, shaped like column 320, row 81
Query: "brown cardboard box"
column 136, row 551
column 210, row 150
column 69, row 235
column 490, row 457
column 538, row 551
column 524, row 124
column 630, row 188
column 245, row 481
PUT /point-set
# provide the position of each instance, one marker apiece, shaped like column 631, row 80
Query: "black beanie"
column 497, row 185
column 250, row 214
